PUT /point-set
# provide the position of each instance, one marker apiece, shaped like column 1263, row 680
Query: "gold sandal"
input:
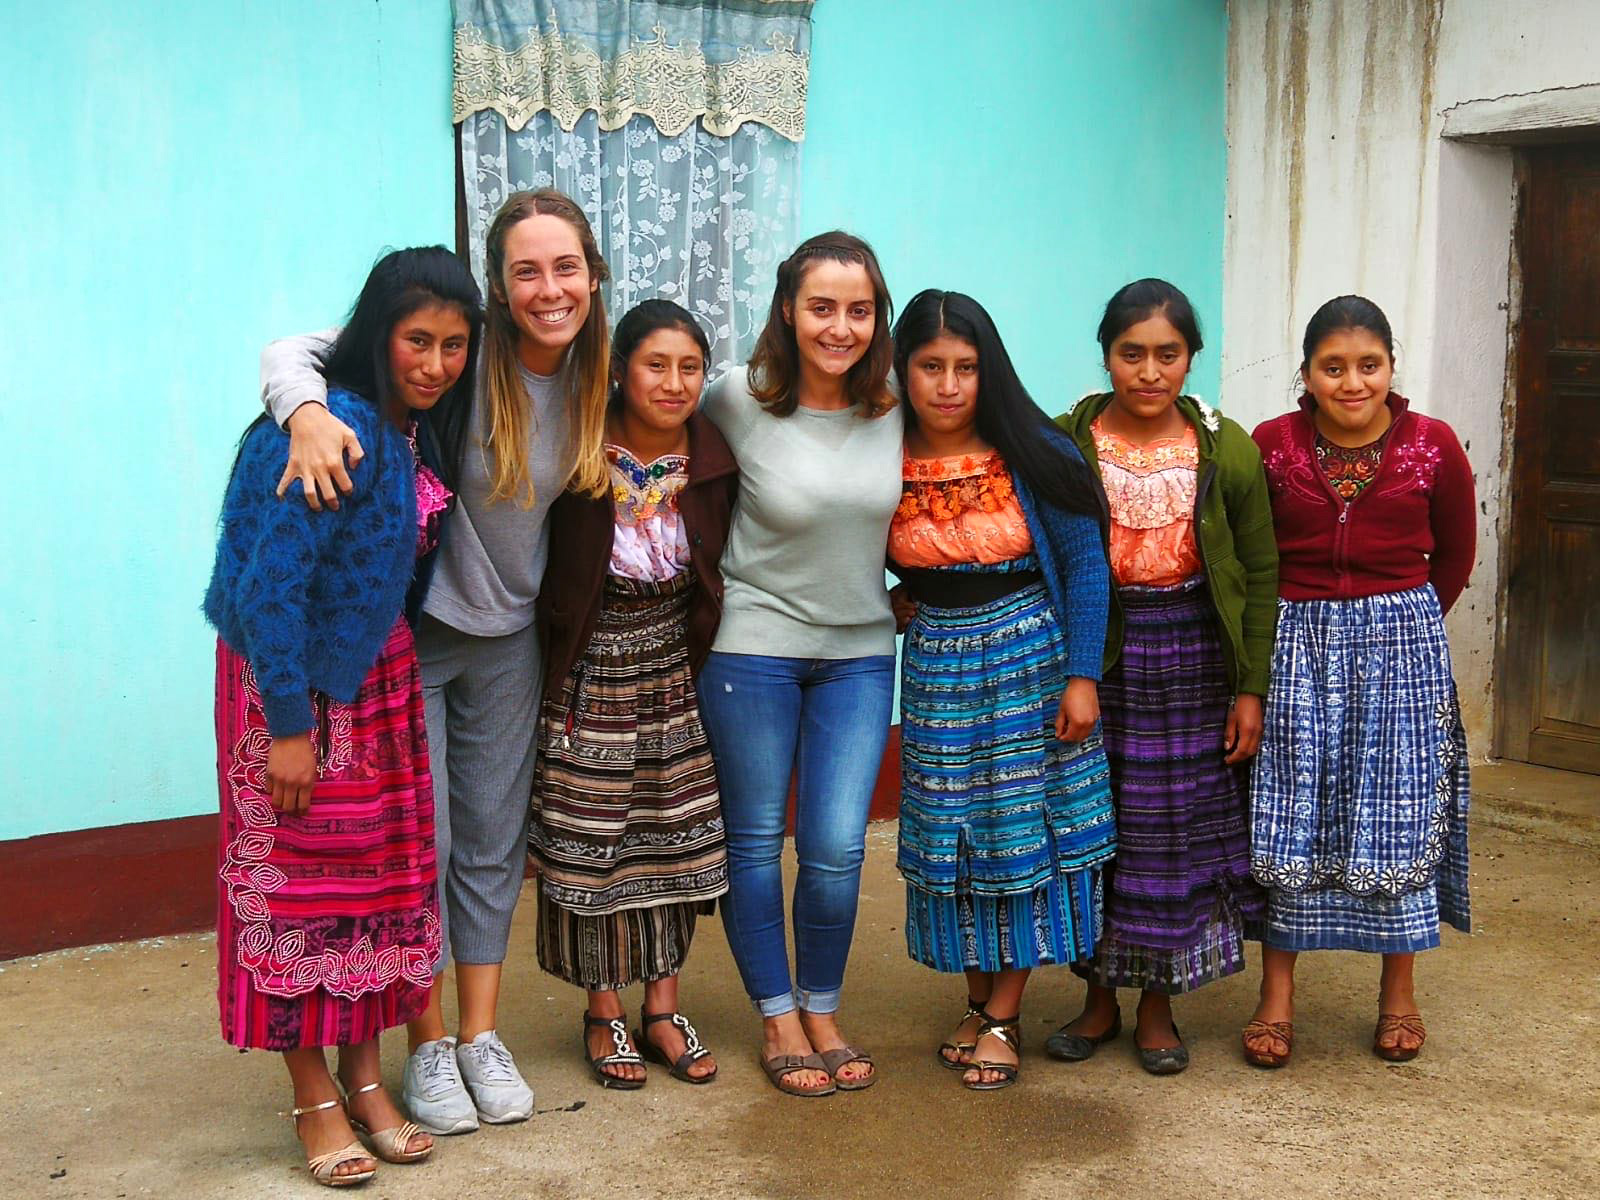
column 1009, row 1033
column 323, row 1166
column 974, row 1009
column 390, row 1144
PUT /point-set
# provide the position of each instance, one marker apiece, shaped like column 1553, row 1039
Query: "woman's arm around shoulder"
column 291, row 373
column 322, row 449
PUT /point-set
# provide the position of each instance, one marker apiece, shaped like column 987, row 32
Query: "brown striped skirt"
column 627, row 829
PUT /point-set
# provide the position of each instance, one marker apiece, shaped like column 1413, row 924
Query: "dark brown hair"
column 774, row 371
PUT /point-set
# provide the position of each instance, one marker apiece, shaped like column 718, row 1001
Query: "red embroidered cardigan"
column 1414, row 524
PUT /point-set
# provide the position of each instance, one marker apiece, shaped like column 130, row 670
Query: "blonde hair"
column 586, row 368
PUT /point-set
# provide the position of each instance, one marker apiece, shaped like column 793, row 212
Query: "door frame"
column 1516, row 679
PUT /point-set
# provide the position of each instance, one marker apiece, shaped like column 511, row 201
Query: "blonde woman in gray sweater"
column 801, row 677
column 538, row 415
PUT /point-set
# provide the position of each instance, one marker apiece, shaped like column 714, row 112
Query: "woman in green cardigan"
column 1188, row 643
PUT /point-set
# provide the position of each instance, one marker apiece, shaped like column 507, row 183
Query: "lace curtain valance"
column 722, row 63
column 676, row 124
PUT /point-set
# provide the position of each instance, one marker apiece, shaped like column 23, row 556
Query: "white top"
column 648, row 538
column 803, row 568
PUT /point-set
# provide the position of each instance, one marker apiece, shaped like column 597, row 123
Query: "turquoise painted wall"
column 1036, row 154
column 185, row 180
column 181, row 181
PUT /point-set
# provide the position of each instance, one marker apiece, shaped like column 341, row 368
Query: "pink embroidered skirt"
column 327, row 921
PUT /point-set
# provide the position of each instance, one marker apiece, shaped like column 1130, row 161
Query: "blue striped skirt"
column 1003, row 827
column 1360, row 792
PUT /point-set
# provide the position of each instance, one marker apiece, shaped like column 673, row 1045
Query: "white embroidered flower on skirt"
column 1363, row 877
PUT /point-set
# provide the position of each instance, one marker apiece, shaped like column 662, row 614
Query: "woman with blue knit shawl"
column 1005, row 811
column 328, row 910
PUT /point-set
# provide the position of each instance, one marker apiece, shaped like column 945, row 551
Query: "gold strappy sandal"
column 323, row 1166
column 974, row 1009
column 1009, row 1033
column 390, row 1144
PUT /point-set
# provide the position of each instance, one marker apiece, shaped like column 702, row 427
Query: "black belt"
column 964, row 589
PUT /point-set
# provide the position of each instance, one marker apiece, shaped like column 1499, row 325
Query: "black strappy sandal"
column 678, row 1069
column 974, row 1009
column 625, row 1055
column 1009, row 1033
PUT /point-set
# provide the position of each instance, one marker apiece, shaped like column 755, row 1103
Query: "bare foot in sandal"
column 957, row 1052
column 662, row 1033
column 371, row 1106
column 600, row 1040
column 784, row 1036
column 822, row 1029
column 1400, row 1032
column 326, row 1130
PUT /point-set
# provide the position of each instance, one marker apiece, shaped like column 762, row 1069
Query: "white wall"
column 1339, row 181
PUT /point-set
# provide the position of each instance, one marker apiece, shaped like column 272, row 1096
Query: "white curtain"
column 681, row 139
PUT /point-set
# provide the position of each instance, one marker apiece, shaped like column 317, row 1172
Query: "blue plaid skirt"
column 1360, row 791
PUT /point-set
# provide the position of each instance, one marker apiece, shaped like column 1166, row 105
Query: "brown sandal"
column 841, row 1056
column 1282, row 1031
column 780, row 1066
column 1407, row 1023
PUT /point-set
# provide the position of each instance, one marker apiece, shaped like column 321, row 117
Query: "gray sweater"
column 803, row 568
column 492, row 556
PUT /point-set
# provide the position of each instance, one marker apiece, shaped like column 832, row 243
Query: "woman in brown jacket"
column 627, row 826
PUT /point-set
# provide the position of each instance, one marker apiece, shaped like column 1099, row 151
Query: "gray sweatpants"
column 482, row 699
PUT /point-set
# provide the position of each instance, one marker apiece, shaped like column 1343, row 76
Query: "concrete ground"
column 113, row 1082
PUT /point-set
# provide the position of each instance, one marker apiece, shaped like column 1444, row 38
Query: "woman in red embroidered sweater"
column 1360, row 791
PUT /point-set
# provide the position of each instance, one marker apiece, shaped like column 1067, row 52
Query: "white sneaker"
column 493, row 1081
column 433, row 1092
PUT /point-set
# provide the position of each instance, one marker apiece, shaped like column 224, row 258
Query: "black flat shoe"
column 1075, row 1047
column 1167, row 1061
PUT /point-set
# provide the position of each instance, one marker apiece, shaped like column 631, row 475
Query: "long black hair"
column 1008, row 418
column 638, row 323
column 400, row 283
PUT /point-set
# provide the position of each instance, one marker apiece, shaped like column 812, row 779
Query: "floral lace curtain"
column 675, row 123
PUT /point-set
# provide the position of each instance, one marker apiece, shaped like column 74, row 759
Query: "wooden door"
column 1550, row 696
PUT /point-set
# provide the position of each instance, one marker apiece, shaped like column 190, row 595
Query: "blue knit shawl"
column 309, row 597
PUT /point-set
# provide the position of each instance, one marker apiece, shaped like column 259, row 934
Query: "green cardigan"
column 1233, row 527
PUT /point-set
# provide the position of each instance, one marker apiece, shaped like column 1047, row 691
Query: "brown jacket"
column 581, row 529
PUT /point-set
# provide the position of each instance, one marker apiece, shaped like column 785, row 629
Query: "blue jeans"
column 827, row 720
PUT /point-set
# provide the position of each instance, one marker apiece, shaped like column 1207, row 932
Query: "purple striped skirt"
column 1179, row 898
